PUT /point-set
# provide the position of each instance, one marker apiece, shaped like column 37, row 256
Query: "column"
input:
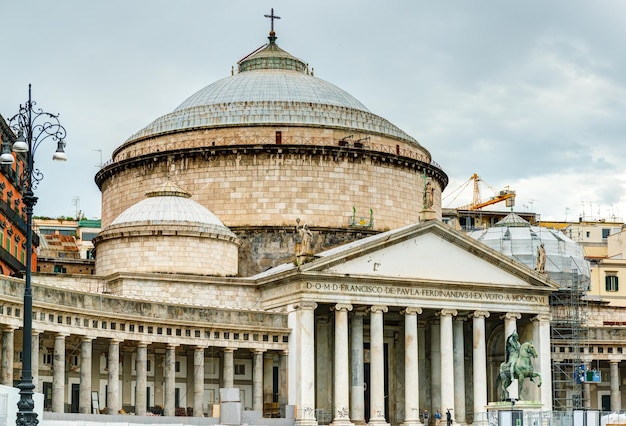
column 58, row 375
column 268, row 377
column 86, row 360
column 8, row 349
column 341, row 388
column 198, row 381
column 170, row 380
column 229, row 368
column 257, row 380
column 113, row 388
column 616, row 396
column 541, row 329
column 141, row 396
column 302, row 362
column 479, row 363
column 283, row 378
column 510, row 323
column 357, row 376
column 435, row 367
column 34, row 362
column 411, row 376
column 447, row 349
column 459, row 370
column 377, row 366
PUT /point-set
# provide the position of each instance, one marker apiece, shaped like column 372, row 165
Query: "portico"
column 373, row 307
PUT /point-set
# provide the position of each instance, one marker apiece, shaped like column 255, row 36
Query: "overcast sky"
column 529, row 95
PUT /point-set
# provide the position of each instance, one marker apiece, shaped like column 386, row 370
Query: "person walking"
column 448, row 418
column 437, row 418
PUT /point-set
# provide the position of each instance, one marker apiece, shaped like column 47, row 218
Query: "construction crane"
column 506, row 195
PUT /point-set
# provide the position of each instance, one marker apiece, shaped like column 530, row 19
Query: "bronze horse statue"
column 522, row 369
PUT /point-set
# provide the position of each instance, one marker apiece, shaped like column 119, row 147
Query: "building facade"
column 12, row 217
column 275, row 236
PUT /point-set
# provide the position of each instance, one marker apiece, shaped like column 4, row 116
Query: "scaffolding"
column 567, row 267
column 569, row 342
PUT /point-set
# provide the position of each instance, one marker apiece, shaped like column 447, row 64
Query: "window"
column 59, row 269
column 240, row 369
column 588, row 234
column 611, row 283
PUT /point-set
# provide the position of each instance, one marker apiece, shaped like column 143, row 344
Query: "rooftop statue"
column 517, row 365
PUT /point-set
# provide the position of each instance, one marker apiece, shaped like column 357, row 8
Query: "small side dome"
column 167, row 232
column 516, row 238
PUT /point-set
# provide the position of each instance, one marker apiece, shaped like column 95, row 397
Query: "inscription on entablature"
column 431, row 293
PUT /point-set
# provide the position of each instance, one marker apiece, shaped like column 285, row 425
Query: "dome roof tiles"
column 272, row 88
column 170, row 205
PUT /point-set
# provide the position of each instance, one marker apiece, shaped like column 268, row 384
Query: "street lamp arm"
column 38, row 125
column 33, row 126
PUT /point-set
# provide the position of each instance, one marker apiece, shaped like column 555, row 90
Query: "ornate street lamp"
column 33, row 126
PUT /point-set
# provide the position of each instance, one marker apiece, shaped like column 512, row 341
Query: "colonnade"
column 446, row 353
column 261, row 382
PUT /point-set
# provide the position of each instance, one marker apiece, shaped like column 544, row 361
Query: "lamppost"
column 33, row 126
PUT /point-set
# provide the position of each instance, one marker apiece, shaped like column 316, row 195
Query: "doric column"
column 257, row 380
column 302, row 359
column 616, row 396
column 341, row 397
column 435, row 366
column 170, row 380
column 229, row 368
column 479, row 362
column 113, row 388
column 8, row 349
column 357, row 376
column 141, row 394
column 85, row 376
column 541, row 329
column 411, row 368
column 377, row 366
column 268, row 377
column 198, row 381
column 447, row 349
column 34, row 362
column 283, row 374
column 459, row 370
column 58, row 375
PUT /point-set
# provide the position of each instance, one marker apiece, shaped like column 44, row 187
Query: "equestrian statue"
column 517, row 365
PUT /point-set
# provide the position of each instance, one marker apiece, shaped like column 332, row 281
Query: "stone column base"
column 378, row 422
column 342, row 422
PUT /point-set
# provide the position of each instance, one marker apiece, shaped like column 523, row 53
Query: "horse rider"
column 512, row 352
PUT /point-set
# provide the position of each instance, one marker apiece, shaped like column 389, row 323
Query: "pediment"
column 433, row 252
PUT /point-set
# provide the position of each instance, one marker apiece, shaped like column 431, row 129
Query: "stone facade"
column 166, row 251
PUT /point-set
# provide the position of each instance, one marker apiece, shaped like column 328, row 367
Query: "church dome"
column 516, row 238
column 264, row 146
column 167, row 232
column 170, row 204
column 272, row 87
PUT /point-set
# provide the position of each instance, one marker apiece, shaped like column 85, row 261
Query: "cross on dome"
column 272, row 17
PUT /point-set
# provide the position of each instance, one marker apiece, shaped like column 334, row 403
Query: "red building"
column 12, row 216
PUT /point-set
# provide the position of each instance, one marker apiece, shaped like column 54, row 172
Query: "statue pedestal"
column 428, row 214
column 531, row 412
